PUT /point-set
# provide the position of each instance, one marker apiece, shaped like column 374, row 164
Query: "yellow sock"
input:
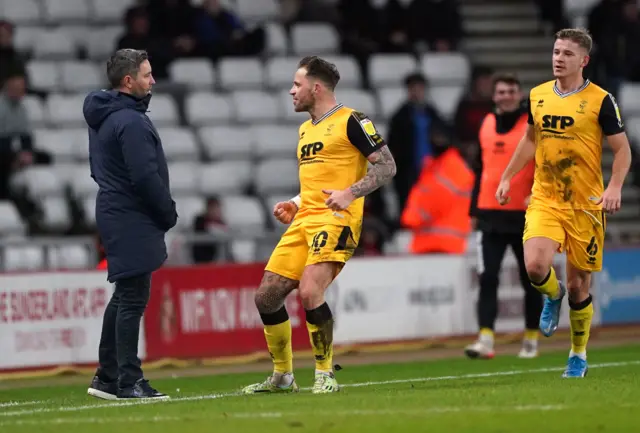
column 486, row 332
column 279, row 343
column 548, row 287
column 580, row 316
column 531, row 334
column 321, row 338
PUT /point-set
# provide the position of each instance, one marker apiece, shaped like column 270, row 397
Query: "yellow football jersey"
column 569, row 131
column 332, row 155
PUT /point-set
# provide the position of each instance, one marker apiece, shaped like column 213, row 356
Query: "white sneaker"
column 479, row 350
column 529, row 350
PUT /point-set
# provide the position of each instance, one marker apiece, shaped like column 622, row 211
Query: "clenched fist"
column 284, row 211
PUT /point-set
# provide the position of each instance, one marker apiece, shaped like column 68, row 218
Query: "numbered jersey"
column 569, row 130
column 332, row 155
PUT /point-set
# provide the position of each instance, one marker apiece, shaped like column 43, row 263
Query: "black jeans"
column 118, row 351
column 494, row 246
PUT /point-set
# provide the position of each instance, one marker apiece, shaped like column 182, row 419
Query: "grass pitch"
column 455, row 395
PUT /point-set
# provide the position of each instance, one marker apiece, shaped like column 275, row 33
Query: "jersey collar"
column 578, row 90
column 327, row 114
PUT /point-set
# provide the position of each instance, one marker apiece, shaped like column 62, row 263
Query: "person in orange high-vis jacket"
column 500, row 227
column 438, row 205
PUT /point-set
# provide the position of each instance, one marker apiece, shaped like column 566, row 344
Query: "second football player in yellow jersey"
column 334, row 149
column 568, row 120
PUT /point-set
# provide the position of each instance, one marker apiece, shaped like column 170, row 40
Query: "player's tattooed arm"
column 382, row 171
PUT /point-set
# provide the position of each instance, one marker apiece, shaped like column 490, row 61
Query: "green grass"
column 446, row 396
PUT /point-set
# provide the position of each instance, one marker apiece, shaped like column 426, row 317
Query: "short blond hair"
column 580, row 36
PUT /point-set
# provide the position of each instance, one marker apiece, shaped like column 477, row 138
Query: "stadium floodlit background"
column 223, row 111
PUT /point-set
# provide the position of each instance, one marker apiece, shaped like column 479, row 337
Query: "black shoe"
column 141, row 389
column 103, row 390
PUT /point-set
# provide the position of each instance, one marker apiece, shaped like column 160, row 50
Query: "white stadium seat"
column 44, row 74
column 446, row 68
column 244, row 250
column 22, row 11
column 109, row 11
column 80, row 76
column 279, row 72
column 228, row 177
column 197, row 74
column 89, row 209
column 53, row 44
column 275, row 141
column 179, row 144
column 391, row 69
column 359, row 100
column 65, row 110
column 240, row 73
column 63, row 11
column 445, row 99
column 350, row 75
column 23, row 258
column 243, row 213
column 10, row 222
column 390, row 100
column 184, row 177
column 102, row 41
column 188, row 207
column 225, row 142
column 78, row 34
column 277, row 42
column 314, row 38
column 25, row 37
column 163, row 111
column 82, row 184
column 69, row 257
column 208, row 109
column 56, row 213
column 257, row 11
column 38, row 182
column 277, row 176
column 61, row 143
column 255, row 106
column 35, row 109
column 629, row 96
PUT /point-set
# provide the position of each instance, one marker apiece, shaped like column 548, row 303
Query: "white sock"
column 487, row 340
column 581, row 355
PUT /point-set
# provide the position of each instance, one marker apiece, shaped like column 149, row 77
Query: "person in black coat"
column 134, row 210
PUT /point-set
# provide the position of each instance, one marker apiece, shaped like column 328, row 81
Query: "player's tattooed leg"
column 273, row 291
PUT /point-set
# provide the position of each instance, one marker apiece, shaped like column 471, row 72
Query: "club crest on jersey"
column 583, row 104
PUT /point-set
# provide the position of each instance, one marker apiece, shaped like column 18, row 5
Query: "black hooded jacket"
column 134, row 208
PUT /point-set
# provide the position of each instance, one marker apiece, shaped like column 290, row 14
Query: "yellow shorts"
column 580, row 232
column 307, row 243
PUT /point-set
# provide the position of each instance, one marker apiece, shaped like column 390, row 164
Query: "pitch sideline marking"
column 22, row 403
column 348, row 385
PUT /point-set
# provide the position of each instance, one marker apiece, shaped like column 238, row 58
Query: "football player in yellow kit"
column 334, row 149
column 568, row 119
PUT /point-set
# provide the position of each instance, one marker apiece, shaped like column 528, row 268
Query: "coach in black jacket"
column 134, row 210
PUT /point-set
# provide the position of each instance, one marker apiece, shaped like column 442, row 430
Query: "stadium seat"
column 65, row 110
column 279, row 72
column 109, row 11
column 255, row 106
column 633, row 128
column 277, row 43
column 69, row 257
column 179, row 144
column 243, row 213
column 227, row 142
column 257, row 11
column 228, row 177
column 89, row 209
column 10, row 221
column 277, row 176
column 82, row 184
column 102, row 41
column 314, row 38
column 359, row 100
column 208, row 109
column 78, row 34
column 445, row 99
column 35, row 110
column 184, row 177
column 188, row 207
column 390, row 69
column 22, row 11
column 23, row 258
column 401, row 242
column 64, row 11
column 25, row 37
column 38, row 181
column 163, row 111
column 53, row 44
column 629, row 96
column 240, row 73
column 350, row 75
column 44, row 75
column 197, row 74
column 80, row 76
column 60, row 143
column 446, row 68
column 272, row 141
column 56, row 213
column 244, row 250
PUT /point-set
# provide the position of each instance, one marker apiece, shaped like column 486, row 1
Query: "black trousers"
column 494, row 246
column 118, row 352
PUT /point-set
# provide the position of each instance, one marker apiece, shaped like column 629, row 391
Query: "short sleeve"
column 530, row 113
column 609, row 118
column 363, row 134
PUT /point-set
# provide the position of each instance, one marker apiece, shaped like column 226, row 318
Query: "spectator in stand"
column 11, row 62
column 552, row 15
column 411, row 137
column 208, row 222
column 174, row 20
column 138, row 37
column 16, row 136
column 219, row 32
column 435, row 22
column 471, row 111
